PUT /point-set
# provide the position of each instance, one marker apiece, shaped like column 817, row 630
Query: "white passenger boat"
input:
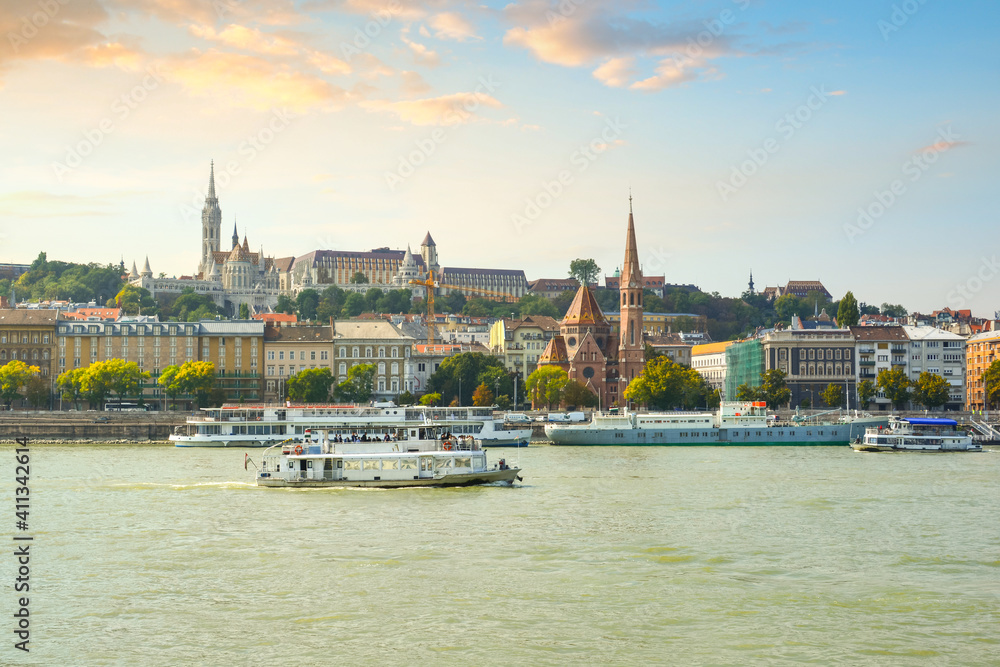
column 735, row 423
column 425, row 455
column 917, row 435
column 266, row 425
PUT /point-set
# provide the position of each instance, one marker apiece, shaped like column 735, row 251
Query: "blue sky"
column 848, row 142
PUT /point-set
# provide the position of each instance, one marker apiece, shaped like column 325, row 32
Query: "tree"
column 13, row 376
column 895, row 385
column 787, row 305
column 306, row 303
column 586, row 271
column 359, row 278
column 198, row 378
column 331, row 302
column 244, row 312
column 866, row 392
column 773, row 387
column 991, row 384
column 483, row 396
column 577, row 394
column 545, row 386
column 36, row 390
column 357, row 388
column 168, row 380
column 311, row 385
column 833, row 395
column 665, row 385
column 466, row 371
column 894, row 310
column 135, row 300
column 532, row 304
column 69, row 384
column 285, row 305
column 745, row 392
column 406, row 398
column 123, row 377
column 931, row 390
column 191, row 307
column 431, row 399
column 847, row 313
column 354, row 305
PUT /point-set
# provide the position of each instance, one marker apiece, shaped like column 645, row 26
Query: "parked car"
column 517, row 418
column 102, row 420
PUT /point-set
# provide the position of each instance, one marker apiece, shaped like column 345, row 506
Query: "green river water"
column 152, row 555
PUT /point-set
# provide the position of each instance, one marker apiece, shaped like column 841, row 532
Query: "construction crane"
column 431, row 284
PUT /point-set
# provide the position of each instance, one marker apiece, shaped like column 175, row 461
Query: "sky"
column 851, row 142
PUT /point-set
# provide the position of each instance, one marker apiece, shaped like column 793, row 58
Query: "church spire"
column 211, row 181
column 631, row 271
column 751, row 282
column 236, row 236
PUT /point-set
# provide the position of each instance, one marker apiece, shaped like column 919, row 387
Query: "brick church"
column 603, row 360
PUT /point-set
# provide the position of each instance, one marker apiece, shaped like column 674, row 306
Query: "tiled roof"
column 22, row 317
column 555, row 352
column 584, row 309
column 299, row 334
column 879, row 333
column 352, row 329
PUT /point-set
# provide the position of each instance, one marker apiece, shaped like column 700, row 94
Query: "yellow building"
column 29, row 336
column 980, row 351
column 521, row 342
column 663, row 323
column 290, row 349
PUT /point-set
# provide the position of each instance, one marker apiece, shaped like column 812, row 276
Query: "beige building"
column 233, row 347
column 709, row 360
column 521, row 342
column 672, row 346
column 374, row 342
column 29, row 336
column 291, row 349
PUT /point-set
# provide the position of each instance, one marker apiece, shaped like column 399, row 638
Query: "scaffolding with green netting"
column 744, row 364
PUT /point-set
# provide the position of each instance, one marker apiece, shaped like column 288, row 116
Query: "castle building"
column 589, row 349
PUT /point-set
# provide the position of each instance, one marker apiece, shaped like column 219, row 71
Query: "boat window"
column 408, row 464
column 443, row 463
column 463, row 462
column 392, row 464
column 352, row 465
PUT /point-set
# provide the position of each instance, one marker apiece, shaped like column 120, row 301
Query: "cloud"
column 413, row 84
column 408, row 10
column 248, row 39
column 941, row 146
column 421, row 54
column 210, row 12
column 454, row 109
column 616, row 72
column 29, row 33
column 593, row 33
column 449, row 25
column 251, row 81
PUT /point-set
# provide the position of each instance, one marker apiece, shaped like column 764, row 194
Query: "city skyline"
column 844, row 144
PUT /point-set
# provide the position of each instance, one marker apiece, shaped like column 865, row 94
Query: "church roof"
column 555, row 352
column 584, row 309
column 428, row 240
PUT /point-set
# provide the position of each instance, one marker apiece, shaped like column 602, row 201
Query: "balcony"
column 899, row 362
column 866, row 350
column 866, row 362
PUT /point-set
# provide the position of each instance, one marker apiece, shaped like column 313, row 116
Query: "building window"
column 343, row 368
column 368, row 353
column 356, row 352
column 281, row 355
column 312, row 355
column 381, row 353
column 270, row 370
column 812, row 354
column 394, row 352
column 323, row 355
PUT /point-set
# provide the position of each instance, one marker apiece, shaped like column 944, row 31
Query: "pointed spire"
column 428, row 241
column 146, row 271
column 631, row 271
column 246, row 245
column 211, row 181
column 236, row 236
column 135, row 272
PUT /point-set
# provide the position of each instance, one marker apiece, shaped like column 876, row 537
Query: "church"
column 589, row 350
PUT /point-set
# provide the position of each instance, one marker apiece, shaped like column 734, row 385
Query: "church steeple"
column 751, row 282
column 631, row 347
column 236, row 236
column 211, row 225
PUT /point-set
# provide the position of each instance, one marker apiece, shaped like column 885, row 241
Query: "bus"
column 125, row 407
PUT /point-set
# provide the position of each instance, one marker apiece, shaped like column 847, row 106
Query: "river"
column 153, row 555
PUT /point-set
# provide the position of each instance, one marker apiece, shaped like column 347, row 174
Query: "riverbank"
column 89, row 427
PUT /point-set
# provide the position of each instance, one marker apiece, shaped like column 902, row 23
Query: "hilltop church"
column 587, row 348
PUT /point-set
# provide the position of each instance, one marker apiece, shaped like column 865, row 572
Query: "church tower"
column 631, row 348
column 211, row 226
column 429, row 251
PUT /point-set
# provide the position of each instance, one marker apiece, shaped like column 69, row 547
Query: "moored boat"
column 913, row 434
column 266, row 425
column 734, row 423
column 408, row 456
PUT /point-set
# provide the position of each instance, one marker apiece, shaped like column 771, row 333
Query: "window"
column 356, row 352
column 381, row 353
column 421, row 368
column 838, row 355
column 395, row 368
column 812, row 354
column 312, row 355
column 281, row 371
column 847, row 354
column 829, row 354
column 270, row 355
column 381, row 368
column 394, row 352
column 270, row 370
column 45, row 339
column 281, row 355
column 323, row 355
column 368, row 353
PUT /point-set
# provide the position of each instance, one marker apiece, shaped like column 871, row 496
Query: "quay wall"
column 84, row 426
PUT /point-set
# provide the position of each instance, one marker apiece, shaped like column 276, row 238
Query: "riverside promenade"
column 89, row 426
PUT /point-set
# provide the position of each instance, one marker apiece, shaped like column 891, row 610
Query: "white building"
column 710, row 362
column 374, row 342
column 940, row 352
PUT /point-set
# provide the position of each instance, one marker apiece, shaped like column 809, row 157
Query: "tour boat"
column 917, row 435
column 410, row 455
column 734, row 423
column 266, row 425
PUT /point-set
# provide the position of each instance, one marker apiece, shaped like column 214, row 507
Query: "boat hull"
column 826, row 434
column 507, row 476
column 194, row 441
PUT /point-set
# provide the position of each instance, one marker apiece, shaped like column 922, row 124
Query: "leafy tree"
column 483, row 396
column 895, row 385
column 805, row 403
column 786, row 306
column 531, row 304
column 331, row 302
column 833, row 395
column 745, row 392
column 847, row 313
column 497, row 378
column 545, row 386
column 285, row 305
column 866, row 392
column 931, row 390
column 773, row 387
column 503, row 402
column 586, row 271
column 197, row 378
column 191, row 307
column 122, row 377
column 358, row 387
column 991, row 384
column 133, row 300
column 244, row 313
column 306, row 303
column 36, row 390
column 372, row 297
column 406, row 398
column 465, row 372
column 577, row 393
column 13, row 376
column 65, row 280
column 430, row 399
column 168, row 380
column 894, row 310
column 311, row 385
column 69, row 383
column 354, row 305
column 665, row 385
column 359, row 278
